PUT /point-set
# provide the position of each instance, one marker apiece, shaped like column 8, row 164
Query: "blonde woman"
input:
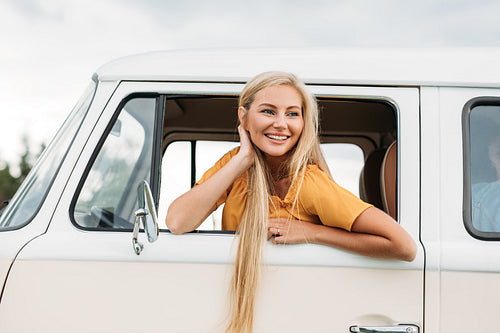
column 278, row 184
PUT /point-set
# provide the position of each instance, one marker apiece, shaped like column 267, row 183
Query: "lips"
column 277, row 137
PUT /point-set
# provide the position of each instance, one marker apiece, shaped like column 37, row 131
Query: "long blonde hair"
column 252, row 229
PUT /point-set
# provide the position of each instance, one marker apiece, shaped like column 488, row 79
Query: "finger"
column 244, row 138
column 280, row 223
column 270, row 234
column 274, row 230
column 279, row 239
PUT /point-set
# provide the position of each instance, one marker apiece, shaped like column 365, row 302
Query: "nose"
column 279, row 121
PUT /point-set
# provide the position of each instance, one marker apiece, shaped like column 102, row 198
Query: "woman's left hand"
column 373, row 233
column 290, row 231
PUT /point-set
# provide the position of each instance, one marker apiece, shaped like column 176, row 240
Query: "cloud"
column 50, row 48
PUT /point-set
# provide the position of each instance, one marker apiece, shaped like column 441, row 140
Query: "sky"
column 49, row 49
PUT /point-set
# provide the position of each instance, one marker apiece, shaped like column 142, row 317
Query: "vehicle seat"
column 388, row 180
column 369, row 180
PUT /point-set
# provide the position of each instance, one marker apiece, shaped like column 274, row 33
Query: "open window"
column 358, row 139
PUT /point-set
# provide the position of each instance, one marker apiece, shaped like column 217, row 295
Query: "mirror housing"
column 147, row 214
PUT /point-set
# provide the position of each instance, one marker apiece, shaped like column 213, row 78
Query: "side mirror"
column 147, row 214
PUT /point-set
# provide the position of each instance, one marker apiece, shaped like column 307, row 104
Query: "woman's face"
column 274, row 120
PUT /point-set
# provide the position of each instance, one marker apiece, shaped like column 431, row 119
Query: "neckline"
column 292, row 190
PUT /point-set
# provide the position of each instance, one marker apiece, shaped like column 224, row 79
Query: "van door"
column 89, row 278
column 460, row 219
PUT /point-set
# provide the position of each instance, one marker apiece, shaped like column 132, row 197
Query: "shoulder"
column 224, row 159
column 313, row 182
column 314, row 174
column 230, row 154
column 218, row 165
column 318, row 183
column 481, row 191
column 485, row 188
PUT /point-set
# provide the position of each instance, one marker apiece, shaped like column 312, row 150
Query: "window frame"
column 467, row 157
column 155, row 162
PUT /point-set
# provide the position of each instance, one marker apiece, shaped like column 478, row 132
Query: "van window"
column 482, row 168
column 356, row 137
column 179, row 173
column 108, row 197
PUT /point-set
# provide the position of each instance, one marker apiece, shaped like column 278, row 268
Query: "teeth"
column 277, row 137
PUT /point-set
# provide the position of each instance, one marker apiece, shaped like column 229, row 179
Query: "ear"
column 242, row 116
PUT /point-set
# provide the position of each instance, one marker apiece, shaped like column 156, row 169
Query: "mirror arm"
column 147, row 214
column 138, row 247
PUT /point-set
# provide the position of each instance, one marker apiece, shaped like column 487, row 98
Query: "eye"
column 293, row 114
column 267, row 111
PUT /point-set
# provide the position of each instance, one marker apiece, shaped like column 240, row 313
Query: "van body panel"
column 462, row 272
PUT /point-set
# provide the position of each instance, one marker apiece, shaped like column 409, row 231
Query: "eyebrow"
column 274, row 106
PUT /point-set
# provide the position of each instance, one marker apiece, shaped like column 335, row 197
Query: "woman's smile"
column 277, row 137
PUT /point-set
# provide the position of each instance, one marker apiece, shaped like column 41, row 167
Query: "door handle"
column 384, row 329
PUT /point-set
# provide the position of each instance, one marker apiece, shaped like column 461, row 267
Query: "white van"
column 404, row 129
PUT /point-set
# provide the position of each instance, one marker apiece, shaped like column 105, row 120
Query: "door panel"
column 304, row 288
column 463, row 273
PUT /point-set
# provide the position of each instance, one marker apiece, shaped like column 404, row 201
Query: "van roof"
column 473, row 67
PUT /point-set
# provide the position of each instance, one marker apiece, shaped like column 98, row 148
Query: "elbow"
column 410, row 256
column 408, row 251
column 174, row 226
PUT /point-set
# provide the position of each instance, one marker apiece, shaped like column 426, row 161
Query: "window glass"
column 108, row 198
column 485, row 168
column 35, row 187
column 344, row 160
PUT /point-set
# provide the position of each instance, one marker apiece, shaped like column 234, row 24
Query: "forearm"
column 373, row 234
column 364, row 244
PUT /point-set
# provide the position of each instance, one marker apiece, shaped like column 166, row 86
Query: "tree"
column 9, row 183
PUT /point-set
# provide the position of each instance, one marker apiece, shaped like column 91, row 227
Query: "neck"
column 275, row 164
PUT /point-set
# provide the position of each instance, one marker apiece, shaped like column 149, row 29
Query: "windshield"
column 29, row 197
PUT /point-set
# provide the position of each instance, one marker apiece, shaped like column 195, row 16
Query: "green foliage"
column 9, row 183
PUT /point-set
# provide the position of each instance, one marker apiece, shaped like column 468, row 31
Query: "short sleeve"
column 216, row 167
column 334, row 205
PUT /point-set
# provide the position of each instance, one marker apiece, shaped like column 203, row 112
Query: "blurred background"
column 50, row 48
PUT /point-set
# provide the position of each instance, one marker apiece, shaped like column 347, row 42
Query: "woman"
column 278, row 184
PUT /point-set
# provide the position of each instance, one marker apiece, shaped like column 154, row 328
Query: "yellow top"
column 320, row 199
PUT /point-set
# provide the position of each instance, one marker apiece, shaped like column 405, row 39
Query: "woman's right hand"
column 246, row 153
